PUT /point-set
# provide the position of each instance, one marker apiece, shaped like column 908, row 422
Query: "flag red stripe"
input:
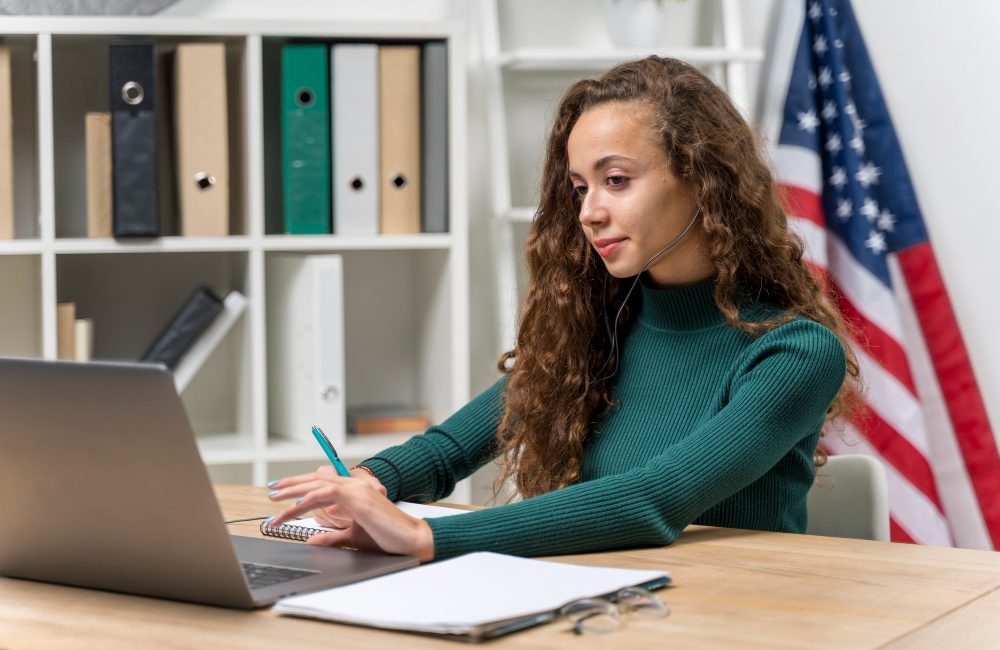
column 801, row 203
column 958, row 383
column 897, row 450
column 897, row 534
column 880, row 346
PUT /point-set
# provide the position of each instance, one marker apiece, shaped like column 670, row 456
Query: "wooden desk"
column 733, row 588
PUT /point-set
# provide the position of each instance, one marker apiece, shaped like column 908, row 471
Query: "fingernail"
column 273, row 492
column 271, row 484
column 298, row 501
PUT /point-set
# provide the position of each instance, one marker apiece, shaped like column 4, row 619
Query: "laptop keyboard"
column 265, row 575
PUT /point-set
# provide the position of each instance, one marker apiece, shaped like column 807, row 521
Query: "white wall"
column 935, row 61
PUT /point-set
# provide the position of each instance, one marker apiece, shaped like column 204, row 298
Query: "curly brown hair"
column 558, row 383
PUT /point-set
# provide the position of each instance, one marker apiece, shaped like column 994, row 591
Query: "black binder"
column 135, row 200
column 193, row 318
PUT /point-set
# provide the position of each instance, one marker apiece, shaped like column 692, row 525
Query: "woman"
column 675, row 359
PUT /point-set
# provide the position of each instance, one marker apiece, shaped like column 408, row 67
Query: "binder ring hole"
column 204, row 181
column 357, row 183
column 329, row 393
column 399, row 181
column 132, row 93
column 305, row 97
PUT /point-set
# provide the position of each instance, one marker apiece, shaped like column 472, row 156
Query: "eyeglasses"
column 603, row 616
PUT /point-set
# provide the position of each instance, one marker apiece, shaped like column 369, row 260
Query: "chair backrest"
column 849, row 499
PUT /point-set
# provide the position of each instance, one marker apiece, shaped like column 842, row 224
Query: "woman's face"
column 631, row 204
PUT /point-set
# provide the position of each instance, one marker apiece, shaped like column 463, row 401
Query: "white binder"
column 232, row 308
column 355, row 114
column 305, row 346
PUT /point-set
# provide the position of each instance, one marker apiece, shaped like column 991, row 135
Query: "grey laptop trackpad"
column 326, row 567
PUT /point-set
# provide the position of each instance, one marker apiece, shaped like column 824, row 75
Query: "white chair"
column 849, row 499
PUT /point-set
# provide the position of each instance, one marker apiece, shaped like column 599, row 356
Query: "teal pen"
column 330, row 452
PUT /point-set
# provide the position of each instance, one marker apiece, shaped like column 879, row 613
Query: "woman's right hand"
column 331, row 516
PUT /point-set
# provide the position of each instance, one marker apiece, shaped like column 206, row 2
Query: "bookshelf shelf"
column 20, row 247
column 159, row 245
column 406, row 329
column 334, row 243
column 226, row 448
column 372, row 443
column 577, row 59
column 519, row 214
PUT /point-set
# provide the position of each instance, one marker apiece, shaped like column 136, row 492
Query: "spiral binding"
column 286, row 531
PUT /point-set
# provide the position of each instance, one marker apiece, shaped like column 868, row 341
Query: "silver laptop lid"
column 103, row 485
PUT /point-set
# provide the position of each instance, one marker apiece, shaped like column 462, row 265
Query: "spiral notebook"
column 302, row 529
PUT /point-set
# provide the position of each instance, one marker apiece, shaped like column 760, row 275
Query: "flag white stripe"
column 813, row 238
column 893, row 402
column 958, row 497
column 866, row 292
column 911, row 508
column 800, row 167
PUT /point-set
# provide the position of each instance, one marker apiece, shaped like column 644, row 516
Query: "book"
column 202, row 139
column 6, row 148
column 97, row 137
column 66, row 330
column 472, row 597
column 83, row 339
column 305, row 346
column 184, row 328
column 302, row 529
column 233, row 307
column 386, row 418
column 399, row 139
column 305, row 138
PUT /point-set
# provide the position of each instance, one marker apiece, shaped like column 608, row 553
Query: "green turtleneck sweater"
column 714, row 427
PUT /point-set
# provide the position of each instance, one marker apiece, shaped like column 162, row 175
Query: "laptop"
column 103, row 487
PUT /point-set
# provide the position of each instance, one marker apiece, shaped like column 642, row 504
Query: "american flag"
column 848, row 195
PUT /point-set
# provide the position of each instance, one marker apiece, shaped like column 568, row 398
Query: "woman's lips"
column 608, row 246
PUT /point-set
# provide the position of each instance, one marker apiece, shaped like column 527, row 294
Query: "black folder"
column 135, row 200
column 190, row 321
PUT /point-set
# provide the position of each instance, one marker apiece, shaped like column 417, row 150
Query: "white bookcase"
column 406, row 296
column 524, row 82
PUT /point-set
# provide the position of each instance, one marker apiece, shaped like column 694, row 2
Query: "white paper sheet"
column 457, row 595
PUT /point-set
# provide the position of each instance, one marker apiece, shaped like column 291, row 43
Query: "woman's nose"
column 592, row 210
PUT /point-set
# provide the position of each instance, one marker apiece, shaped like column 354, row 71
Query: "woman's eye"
column 579, row 191
column 617, row 181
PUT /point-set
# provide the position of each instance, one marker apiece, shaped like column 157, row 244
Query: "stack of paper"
column 476, row 596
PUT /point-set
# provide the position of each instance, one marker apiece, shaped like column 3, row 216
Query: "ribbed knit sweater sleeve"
column 430, row 464
column 779, row 394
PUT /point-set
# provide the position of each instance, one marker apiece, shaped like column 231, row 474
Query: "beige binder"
column 399, row 124
column 6, row 148
column 97, row 136
column 66, row 330
column 201, row 122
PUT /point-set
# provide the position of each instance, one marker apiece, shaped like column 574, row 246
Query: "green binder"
column 305, row 138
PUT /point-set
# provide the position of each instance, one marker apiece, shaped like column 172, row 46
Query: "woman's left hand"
column 377, row 523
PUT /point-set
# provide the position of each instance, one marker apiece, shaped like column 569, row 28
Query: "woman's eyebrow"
column 604, row 162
